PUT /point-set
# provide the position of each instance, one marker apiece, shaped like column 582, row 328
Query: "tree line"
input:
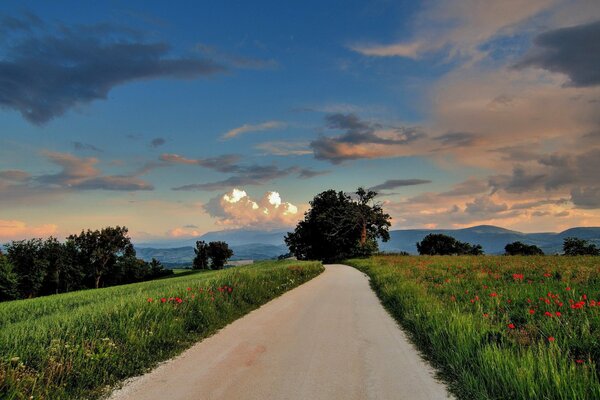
column 91, row 259
column 211, row 255
column 339, row 226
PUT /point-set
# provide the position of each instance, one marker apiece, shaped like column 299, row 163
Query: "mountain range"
column 260, row 245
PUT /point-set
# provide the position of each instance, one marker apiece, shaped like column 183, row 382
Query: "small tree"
column 439, row 244
column 201, row 259
column 522, row 249
column 573, row 246
column 219, row 253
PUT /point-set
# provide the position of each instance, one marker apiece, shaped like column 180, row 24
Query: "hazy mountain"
column 261, row 245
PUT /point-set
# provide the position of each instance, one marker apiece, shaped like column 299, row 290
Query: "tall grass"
column 78, row 345
column 499, row 327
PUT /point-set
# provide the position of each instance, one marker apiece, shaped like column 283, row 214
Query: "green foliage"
column 201, row 259
column 337, row 227
column 499, row 327
column 76, row 345
column 573, row 246
column 8, row 280
column 43, row 267
column 219, row 253
column 522, row 249
column 439, row 244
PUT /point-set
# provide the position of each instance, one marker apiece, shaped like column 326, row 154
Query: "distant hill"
column 261, row 245
column 492, row 238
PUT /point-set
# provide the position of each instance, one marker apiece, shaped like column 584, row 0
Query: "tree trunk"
column 98, row 281
column 363, row 234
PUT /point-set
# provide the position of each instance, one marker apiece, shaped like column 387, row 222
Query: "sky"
column 179, row 118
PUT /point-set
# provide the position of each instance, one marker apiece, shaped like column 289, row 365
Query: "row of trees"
column 439, row 244
column 211, row 255
column 92, row 259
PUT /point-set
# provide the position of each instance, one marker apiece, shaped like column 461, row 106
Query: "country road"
column 327, row 339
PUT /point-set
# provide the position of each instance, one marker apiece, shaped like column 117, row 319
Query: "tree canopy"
column 522, row 249
column 338, row 226
column 573, row 246
column 439, row 244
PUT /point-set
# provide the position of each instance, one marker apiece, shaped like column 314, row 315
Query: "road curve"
column 330, row 338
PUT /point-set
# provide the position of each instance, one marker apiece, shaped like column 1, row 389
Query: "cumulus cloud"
column 264, row 126
column 18, row 230
column 395, row 183
column 573, row 51
column 237, row 209
column 48, row 70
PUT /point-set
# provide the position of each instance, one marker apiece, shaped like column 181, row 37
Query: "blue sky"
column 461, row 112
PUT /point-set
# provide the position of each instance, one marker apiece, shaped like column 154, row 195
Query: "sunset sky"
column 179, row 118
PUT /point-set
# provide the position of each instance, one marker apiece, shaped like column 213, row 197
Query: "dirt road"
column 327, row 339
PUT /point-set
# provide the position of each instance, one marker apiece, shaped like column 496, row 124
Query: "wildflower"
column 532, row 311
column 188, row 289
column 149, row 299
column 548, row 314
column 163, row 300
column 518, row 277
column 568, row 288
column 547, row 275
column 558, row 313
column 486, row 315
column 584, row 297
column 551, row 338
column 579, row 361
column 511, row 326
column 493, row 294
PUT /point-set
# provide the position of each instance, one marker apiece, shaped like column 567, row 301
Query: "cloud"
column 458, row 28
column 573, row 51
column 157, row 142
column 306, row 173
column 253, row 175
column 586, row 197
column 80, row 146
column 457, row 139
column 469, row 187
column 184, row 232
column 484, row 205
column 237, row 209
column 282, row 148
column 15, row 175
column 361, row 139
column 19, row 230
column 48, row 70
column 408, row 50
column 395, row 183
column 264, row 126
column 222, row 163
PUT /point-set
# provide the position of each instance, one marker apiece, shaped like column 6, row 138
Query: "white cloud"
column 18, row 230
column 237, row 209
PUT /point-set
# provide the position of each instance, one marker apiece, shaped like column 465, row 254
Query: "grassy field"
column 78, row 345
column 499, row 327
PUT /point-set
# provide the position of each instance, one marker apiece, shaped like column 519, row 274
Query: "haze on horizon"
column 179, row 119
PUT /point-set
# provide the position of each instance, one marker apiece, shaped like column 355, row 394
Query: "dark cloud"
column 114, row 182
column 395, row 183
column 222, row 163
column 191, row 226
column 538, row 203
column 484, row 206
column 80, row 146
column 586, row 197
column 306, row 173
column 573, row 51
column 254, row 175
column 457, row 139
column 519, row 153
column 45, row 71
column 157, row 142
column 357, row 133
column 519, row 181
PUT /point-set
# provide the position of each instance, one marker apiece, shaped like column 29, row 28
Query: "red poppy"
column 493, row 294
column 558, row 313
column 532, row 311
column 149, row 299
column 548, row 314
column 579, row 361
column 511, row 326
column 551, row 338
column 163, row 300
column 568, row 288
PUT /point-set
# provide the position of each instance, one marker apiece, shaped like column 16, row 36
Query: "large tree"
column 30, row 265
column 219, row 253
column 201, row 258
column 99, row 250
column 338, row 226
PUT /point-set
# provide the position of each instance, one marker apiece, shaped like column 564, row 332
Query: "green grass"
column 80, row 344
column 490, row 324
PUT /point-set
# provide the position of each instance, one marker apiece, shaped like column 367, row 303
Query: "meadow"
column 499, row 327
column 80, row 344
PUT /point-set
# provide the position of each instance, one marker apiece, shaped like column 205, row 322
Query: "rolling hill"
column 262, row 245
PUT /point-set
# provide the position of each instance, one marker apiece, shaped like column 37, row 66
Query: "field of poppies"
column 499, row 327
column 78, row 345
